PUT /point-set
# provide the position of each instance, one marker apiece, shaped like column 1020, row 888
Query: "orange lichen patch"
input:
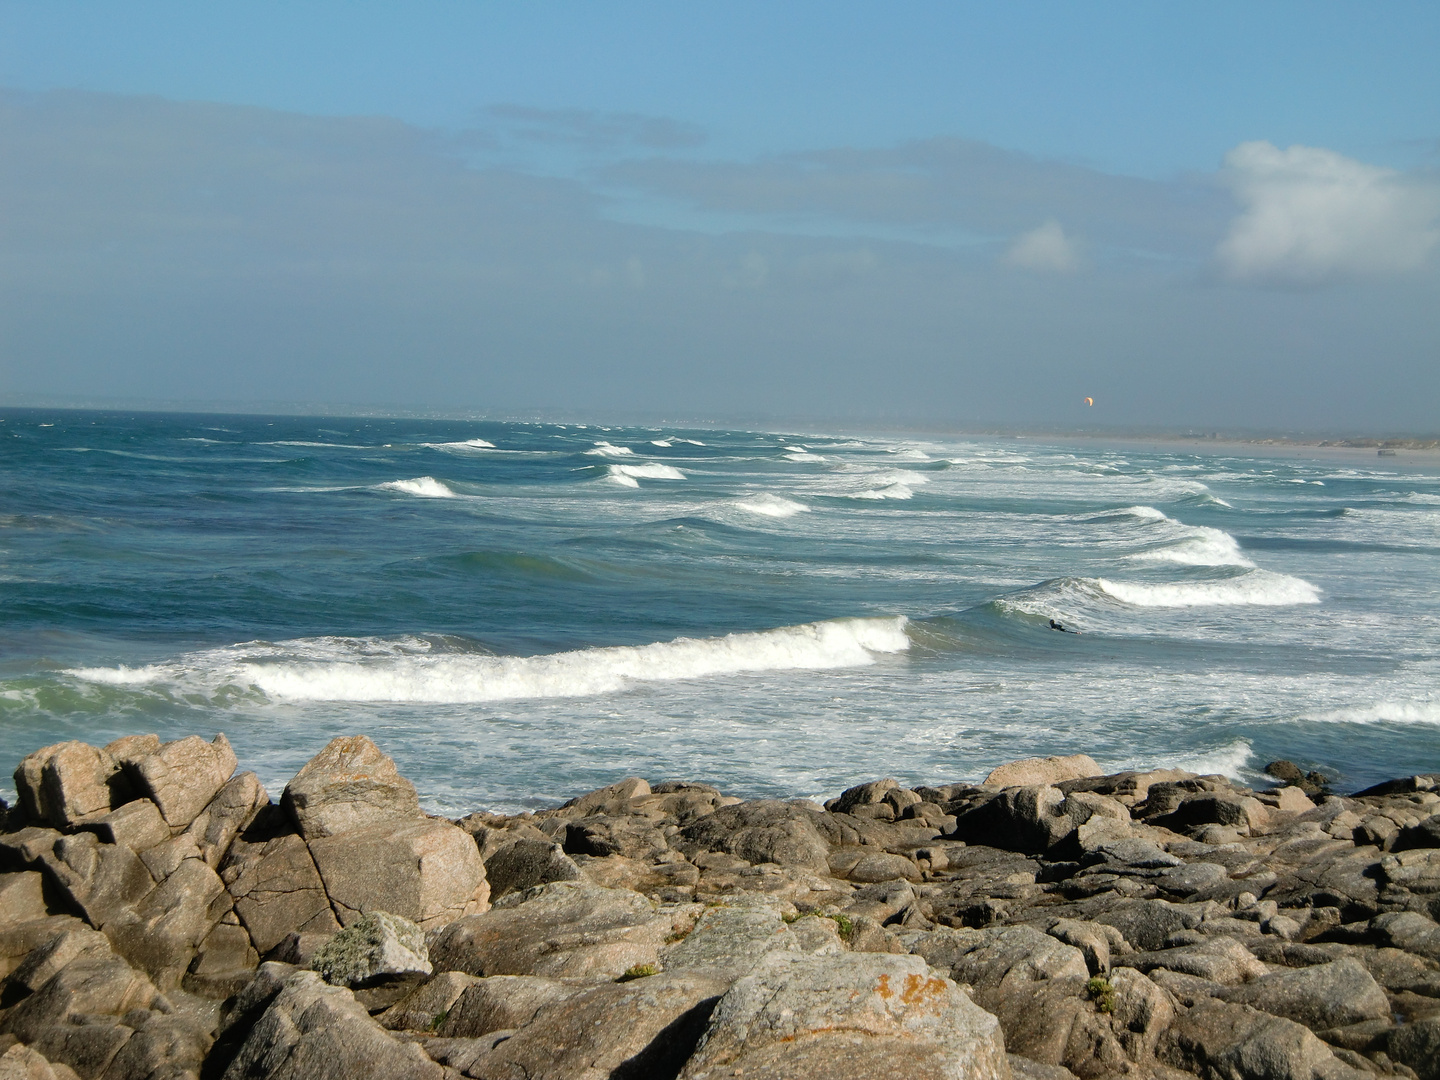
column 884, row 988
column 918, row 987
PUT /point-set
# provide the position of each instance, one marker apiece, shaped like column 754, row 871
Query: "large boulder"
column 425, row 870
column 1218, row 959
column 230, row 811
column 274, row 883
column 1324, row 996
column 732, row 937
column 161, row 933
column 848, row 1017
column 564, row 929
column 1034, row 819
column 183, row 776
column 997, row 960
column 348, row 785
column 101, row 881
column 525, row 863
column 502, row 1003
column 74, row 782
column 761, row 831
column 1214, row 1038
column 373, row 947
column 1029, row 772
column 644, row 1028
column 312, row 1030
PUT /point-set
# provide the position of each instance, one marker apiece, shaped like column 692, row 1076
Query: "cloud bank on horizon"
column 615, row 262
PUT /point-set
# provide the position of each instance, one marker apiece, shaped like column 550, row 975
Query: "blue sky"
column 921, row 211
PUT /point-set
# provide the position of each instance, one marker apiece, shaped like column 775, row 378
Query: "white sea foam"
column 1203, row 547
column 631, row 475
column 1230, row 759
column 1144, row 513
column 466, row 445
column 326, row 445
column 427, row 487
column 889, row 491
column 769, row 505
column 795, row 449
column 605, row 449
column 803, row 455
column 355, row 670
column 1259, row 588
column 1392, row 712
column 661, row 442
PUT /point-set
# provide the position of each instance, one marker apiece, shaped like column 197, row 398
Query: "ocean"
column 520, row 612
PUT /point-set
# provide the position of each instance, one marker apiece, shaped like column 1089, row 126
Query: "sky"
column 1219, row 216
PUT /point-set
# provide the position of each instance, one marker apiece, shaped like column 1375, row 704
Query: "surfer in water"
column 1063, row 629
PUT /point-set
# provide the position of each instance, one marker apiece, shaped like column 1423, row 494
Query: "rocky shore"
column 162, row 918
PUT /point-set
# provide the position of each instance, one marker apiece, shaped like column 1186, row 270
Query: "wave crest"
column 427, row 487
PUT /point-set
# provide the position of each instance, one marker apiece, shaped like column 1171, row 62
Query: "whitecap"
column 803, row 455
column 1382, row 712
column 465, row 445
column 427, row 487
column 605, row 449
column 629, row 475
column 889, row 491
column 775, row 506
column 1203, row 547
column 1258, row 588
column 363, row 670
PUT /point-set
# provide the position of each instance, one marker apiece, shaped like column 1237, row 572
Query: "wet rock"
column 848, row 1016
column 562, row 929
column 647, row 1027
column 348, row 785
column 312, row 1029
column 1047, row 770
column 526, row 863
column 1325, row 996
column 183, row 776
column 427, row 871
column 372, row 947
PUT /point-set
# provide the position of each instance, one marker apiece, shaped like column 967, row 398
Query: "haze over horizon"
column 1223, row 218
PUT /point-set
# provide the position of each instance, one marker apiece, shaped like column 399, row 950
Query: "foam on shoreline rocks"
column 161, row 917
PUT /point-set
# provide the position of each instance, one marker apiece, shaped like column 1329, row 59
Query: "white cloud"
column 1311, row 214
column 1045, row 248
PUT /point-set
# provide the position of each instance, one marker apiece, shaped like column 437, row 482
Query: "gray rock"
column 94, row 983
column 563, row 929
column 425, row 870
column 427, row 1006
column 88, row 1045
column 1233, row 1041
column 22, row 898
column 65, row 784
column 162, row 931
column 502, row 1003
column 761, row 831
column 25, row 1063
column 1023, row 1068
column 18, row 941
column 1145, row 924
column 231, row 810
column 276, row 888
column 138, row 825
column 314, row 1031
column 998, row 959
column 1410, row 931
column 1218, row 959
column 613, row 799
column 1216, row 808
column 526, row 863
column 1029, row 772
column 1094, row 940
column 348, row 785
column 601, row 835
column 224, row 962
column 45, row 961
column 845, row 1017
column 1190, row 878
column 164, row 1045
column 879, row 866
column 730, row 939
column 101, row 881
column 1418, row 1046
column 372, row 947
column 861, row 795
column 1425, row 834
column 183, row 776
column 1320, row 997
column 643, row 1028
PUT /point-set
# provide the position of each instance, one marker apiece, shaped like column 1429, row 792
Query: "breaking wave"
column 427, row 487
column 414, row 670
column 631, row 475
column 775, row 506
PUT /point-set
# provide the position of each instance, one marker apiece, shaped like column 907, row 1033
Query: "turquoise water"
column 518, row 612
